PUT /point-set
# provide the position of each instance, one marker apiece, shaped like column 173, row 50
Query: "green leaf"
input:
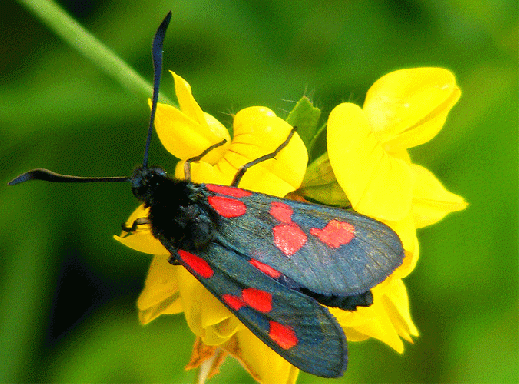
column 305, row 117
column 320, row 184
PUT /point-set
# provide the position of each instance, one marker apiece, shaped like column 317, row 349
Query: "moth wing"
column 291, row 323
column 327, row 250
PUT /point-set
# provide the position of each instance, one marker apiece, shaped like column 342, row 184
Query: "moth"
column 277, row 264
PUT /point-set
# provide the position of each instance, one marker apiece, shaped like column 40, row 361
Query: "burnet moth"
column 275, row 263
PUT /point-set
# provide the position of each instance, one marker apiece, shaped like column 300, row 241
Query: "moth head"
column 145, row 182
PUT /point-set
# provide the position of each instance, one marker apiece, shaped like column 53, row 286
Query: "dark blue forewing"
column 328, row 265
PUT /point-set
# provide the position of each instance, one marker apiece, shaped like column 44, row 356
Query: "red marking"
column 335, row 234
column 229, row 191
column 197, row 264
column 259, row 300
column 227, row 207
column 281, row 211
column 289, row 238
column 233, row 301
column 266, row 269
column 283, row 335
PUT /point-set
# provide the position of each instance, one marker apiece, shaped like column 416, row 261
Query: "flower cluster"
column 367, row 164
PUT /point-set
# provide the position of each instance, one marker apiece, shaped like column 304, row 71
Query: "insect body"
column 271, row 261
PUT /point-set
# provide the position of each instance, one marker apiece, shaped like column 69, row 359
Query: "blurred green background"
column 68, row 290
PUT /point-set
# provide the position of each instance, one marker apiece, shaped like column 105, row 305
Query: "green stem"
column 85, row 43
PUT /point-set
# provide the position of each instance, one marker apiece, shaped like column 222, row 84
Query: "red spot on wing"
column 335, row 234
column 257, row 299
column 281, row 211
column 229, row 191
column 196, row 263
column 288, row 238
column 233, row 301
column 266, row 269
column 283, row 335
column 226, row 206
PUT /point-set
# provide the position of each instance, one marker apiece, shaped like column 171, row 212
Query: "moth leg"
column 187, row 164
column 243, row 169
column 173, row 259
column 136, row 223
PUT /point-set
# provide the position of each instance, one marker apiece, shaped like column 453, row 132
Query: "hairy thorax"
column 177, row 216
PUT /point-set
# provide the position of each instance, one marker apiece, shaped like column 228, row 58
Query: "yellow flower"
column 368, row 153
column 368, row 146
column 367, row 150
column 257, row 131
column 171, row 289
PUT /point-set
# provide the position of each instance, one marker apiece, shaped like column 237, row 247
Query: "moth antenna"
column 46, row 175
column 53, row 177
column 156, row 52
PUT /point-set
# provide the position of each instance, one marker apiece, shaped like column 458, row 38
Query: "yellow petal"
column 408, row 264
column 184, row 138
column 383, row 329
column 408, row 107
column 353, row 335
column 376, row 184
column 188, row 132
column 396, row 304
column 205, row 315
column 202, row 172
column 160, row 295
column 367, row 322
column 258, row 179
column 258, row 131
column 186, row 101
column 263, row 364
column 432, row 202
column 353, row 319
column 387, row 319
column 403, row 155
column 141, row 240
column 406, row 231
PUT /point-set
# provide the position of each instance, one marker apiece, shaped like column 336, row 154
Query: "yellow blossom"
column 368, row 146
column 367, row 149
column 171, row 289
